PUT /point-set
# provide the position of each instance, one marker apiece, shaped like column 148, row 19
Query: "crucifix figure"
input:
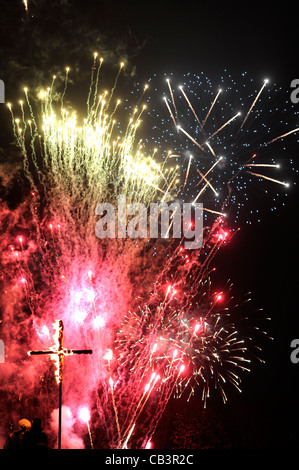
column 59, row 351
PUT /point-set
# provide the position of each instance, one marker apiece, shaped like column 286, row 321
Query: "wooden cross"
column 60, row 351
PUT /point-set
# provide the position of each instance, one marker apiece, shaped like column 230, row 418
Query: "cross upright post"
column 59, row 351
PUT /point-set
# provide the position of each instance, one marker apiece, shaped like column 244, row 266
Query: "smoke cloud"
column 69, row 438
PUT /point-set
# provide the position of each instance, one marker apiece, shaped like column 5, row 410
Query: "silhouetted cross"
column 60, row 351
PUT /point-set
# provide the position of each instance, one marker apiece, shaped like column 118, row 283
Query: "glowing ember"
column 84, row 414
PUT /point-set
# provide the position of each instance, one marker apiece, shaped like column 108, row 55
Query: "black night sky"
column 180, row 37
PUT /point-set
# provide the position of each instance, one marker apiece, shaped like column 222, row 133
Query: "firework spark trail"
column 171, row 94
column 140, row 406
column 115, row 410
column 253, row 104
column 85, row 416
column 225, row 124
column 187, row 172
column 207, row 181
column 65, row 88
column 210, row 148
column 265, row 165
column 283, row 135
column 268, row 178
column 211, row 107
column 190, row 105
column 179, row 128
column 204, row 178
column 169, row 110
column 98, row 69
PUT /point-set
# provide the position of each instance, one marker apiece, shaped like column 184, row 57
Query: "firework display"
column 146, row 307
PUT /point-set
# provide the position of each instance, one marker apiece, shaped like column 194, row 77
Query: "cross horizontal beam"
column 63, row 352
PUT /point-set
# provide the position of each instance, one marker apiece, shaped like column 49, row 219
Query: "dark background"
column 180, row 37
